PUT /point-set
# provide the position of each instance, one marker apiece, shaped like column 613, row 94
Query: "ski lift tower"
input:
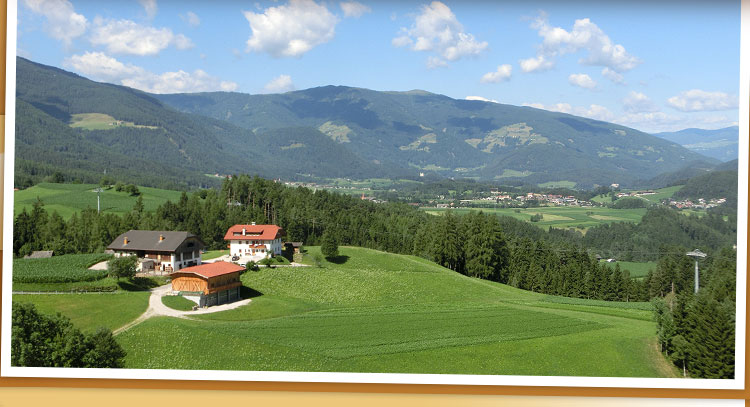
column 98, row 191
column 696, row 254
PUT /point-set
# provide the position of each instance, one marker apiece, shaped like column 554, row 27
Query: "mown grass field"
column 561, row 216
column 91, row 311
column 101, row 121
column 376, row 312
column 663, row 193
column 177, row 302
column 67, row 199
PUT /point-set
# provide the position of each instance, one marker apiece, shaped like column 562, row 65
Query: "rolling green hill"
column 377, row 312
column 67, row 199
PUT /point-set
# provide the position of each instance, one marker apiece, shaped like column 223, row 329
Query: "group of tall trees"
column 697, row 331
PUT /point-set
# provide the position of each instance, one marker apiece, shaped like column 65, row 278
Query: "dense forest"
column 502, row 249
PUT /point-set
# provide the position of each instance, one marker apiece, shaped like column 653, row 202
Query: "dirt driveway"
column 157, row 308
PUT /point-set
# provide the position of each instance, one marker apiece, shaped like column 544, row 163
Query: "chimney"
column 161, row 238
column 243, row 232
column 253, row 223
column 125, row 241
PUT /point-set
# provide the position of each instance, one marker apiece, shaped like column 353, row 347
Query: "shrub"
column 122, row 267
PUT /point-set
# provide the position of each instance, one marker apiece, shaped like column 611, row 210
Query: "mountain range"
column 721, row 144
column 83, row 129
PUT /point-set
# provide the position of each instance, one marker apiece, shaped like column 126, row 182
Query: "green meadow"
column 101, row 121
column 562, row 217
column 368, row 311
column 67, row 199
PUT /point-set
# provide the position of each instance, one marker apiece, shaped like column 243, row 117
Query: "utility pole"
column 696, row 254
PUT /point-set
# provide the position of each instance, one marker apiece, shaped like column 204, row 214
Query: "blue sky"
column 655, row 66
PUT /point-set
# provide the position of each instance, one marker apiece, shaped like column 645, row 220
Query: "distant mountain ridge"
column 721, row 144
column 454, row 138
column 330, row 131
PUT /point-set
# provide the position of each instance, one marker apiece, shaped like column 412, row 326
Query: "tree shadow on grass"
column 340, row 259
column 247, row 292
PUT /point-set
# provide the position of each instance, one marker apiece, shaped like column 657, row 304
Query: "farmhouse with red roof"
column 254, row 242
column 209, row 284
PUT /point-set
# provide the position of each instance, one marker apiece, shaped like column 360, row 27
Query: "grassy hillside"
column 69, row 198
column 563, row 216
column 376, row 312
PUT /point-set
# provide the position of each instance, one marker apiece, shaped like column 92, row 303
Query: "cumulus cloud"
column 613, row 76
column 584, row 36
column 502, row 73
column 99, row 66
column 290, row 30
column 697, row 100
column 191, row 19
column 538, row 63
column 354, row 9
column 279, row 84
column 637, row 102
column 437, row 30
column 63, row 23
column 596, row 112
column 582, row 80
column 150, row 7
column 129, row 37
column 482, row 99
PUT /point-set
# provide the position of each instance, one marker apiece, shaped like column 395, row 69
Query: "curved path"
column 157, row 308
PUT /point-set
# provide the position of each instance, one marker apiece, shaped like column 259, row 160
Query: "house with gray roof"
column 168, row 251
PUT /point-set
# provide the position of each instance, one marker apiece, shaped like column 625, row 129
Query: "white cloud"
column 354, row 9
column 585, row 35
column 437, row 30
column 697, row 100
column 128, row 37
column 280, row 84
column 637, row 102
column 290, row 30
column 502, row 73
column 63, row 23
column 482, row 99
column 613, row 76
column 596, row 112
column 582, row 80
column 536, row 64
column 179, row 82
column 150, row 7
column 191, row 19
column 99, row 66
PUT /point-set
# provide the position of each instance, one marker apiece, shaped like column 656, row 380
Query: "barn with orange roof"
column 209, row 284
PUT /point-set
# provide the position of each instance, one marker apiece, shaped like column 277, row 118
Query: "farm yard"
column 562, row 217
column 375, row 312
column 67, row 199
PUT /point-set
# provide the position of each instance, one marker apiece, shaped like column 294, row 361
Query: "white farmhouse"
column 254, row 242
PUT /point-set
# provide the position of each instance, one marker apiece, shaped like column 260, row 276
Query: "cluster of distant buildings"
column 700, row 204
column 553, row 199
